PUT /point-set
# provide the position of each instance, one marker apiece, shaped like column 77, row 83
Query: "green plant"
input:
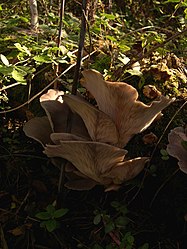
column 164, row 154
column 49, row 218
column 117, row 226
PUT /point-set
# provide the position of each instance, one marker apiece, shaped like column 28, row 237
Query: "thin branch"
column 162, row 186
column 81, row 47
column 61, row 9
column 62, row 6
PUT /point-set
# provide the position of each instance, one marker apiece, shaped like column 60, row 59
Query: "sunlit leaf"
column 6, row 70
column 123, row 58
column 18, row 76
column 4, row 60
column 42, row 58
column 23, row 48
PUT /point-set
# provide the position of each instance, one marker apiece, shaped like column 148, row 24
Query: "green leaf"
column 6, row 70
column 171, row 1
column 163, row 152
column 111, row 38
column 109, row 16
column 43, row 216
column 18, row 76
column 123, row 46
column 129, row 238
column 97, row 219
column 109, row 227
column 23, row 48
column 51, row 225
column 115, row 204
column 24, row 19
column 43, row 58
column 60, row 212
column 121, row 221
column 50, row 209
column 4, row 60
column 165, row 158
column 184, row 144
column 26, row 69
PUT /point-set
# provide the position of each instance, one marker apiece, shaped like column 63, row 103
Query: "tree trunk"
column 34, row 14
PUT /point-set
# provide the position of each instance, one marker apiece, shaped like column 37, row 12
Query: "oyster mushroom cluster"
column 94, row 145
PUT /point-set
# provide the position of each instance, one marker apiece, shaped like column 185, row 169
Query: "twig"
column 161, row 186
column 23, row 202
column 81, row 47
column 114, row 238
column 62, row 5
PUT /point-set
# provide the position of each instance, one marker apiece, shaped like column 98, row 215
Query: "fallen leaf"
column 151, row 92
column 150, row 138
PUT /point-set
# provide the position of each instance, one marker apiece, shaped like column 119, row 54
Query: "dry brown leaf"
column 150, row 138
column 119, row 101
column 151, row 92
column 99, row 125
column 20, row 230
